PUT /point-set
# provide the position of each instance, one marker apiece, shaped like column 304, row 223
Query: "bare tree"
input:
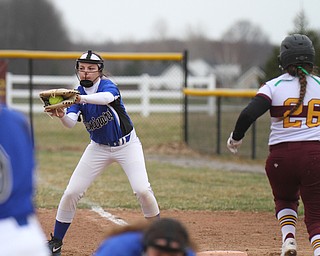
column 244, row 31
column 32, row 25
column 195, row 33
column 300, row 23
column 160, row 29
column 238, row 40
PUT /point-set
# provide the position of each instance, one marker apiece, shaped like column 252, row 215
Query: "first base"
column 222, row 253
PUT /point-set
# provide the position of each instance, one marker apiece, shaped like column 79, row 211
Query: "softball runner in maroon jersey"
column 293, row 164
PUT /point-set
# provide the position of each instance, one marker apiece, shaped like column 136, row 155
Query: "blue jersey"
column 126, row 244
column 16, row 165
column 106, row 124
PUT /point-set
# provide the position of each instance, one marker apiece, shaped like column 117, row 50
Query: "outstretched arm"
column 68, row 120
column 100, row 98
column 256, row 108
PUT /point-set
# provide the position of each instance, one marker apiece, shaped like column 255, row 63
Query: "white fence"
column 148, row 88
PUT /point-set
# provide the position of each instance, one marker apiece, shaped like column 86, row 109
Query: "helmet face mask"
column 296, row 49
column 90, row 58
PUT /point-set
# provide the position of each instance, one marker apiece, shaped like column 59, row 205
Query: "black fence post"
column 185, row 78
column 31, row 98
column 218, row 125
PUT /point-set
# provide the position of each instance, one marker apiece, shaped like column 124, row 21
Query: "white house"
column 226, row 75
column 250, row 79
column 196, row 68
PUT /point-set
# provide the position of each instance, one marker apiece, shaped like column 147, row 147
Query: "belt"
column 121, row 141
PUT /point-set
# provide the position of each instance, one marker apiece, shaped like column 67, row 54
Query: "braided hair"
column 301, row 71
column 297, row 57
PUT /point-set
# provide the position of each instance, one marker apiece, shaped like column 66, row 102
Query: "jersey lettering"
column 312, row 118
column 97, row 123
column 5, row 176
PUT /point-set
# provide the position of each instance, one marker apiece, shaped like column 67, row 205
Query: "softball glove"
column 58, row 98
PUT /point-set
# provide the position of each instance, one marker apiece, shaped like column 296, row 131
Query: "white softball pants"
column 94, row 160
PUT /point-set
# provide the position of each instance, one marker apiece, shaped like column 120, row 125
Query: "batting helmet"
column 296, row 49
column 167, row 235
column 91, row 57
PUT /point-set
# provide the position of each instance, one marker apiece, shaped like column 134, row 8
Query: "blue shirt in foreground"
column 126, row 244
column 16, row 165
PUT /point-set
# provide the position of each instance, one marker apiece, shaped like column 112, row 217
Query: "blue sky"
column 118, row 20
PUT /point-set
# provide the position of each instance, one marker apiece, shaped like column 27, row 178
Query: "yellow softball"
column 55, row 100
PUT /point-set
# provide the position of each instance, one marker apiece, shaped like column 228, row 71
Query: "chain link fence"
column 209, row 129
column 154, row 98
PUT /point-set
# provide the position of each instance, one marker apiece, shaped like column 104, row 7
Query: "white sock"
column 315, row 242
column 288, row 220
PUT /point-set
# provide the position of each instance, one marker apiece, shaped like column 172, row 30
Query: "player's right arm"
column 69, row 120
column 256, row 108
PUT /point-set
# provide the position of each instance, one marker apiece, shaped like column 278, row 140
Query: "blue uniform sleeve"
column 104, row 86
column 127, row 244
column 191, row 253
column 109, row 86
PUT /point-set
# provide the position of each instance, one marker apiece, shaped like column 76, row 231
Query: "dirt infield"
column 253, row 233
column 250, row 232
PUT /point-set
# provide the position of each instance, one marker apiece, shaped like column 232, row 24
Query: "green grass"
column 59, row 150
column 175, row 187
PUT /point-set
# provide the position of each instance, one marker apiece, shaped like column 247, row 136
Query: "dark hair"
column 300, row 71
column 296, row 57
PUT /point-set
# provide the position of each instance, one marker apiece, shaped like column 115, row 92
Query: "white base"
column 222, row 253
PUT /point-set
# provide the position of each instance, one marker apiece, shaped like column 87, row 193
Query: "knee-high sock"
column 288, row 220
column 60, row 229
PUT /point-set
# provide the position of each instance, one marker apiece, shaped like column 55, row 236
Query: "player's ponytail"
column 301, row 71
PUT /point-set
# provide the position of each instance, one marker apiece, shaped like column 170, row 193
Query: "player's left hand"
column 233, row 145
column 58, row 112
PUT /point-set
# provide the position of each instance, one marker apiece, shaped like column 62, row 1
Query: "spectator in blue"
column 163, row 237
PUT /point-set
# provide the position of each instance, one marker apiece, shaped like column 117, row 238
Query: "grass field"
column 175, row 187
column 223, row 209
column 189, row 188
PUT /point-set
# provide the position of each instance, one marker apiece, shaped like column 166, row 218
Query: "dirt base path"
column 253, row 233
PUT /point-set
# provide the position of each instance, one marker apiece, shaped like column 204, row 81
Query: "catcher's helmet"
column 91, row 57
column 296, row 49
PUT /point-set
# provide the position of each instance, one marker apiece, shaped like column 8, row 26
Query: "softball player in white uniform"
column 113, row 139
column 293, row 164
